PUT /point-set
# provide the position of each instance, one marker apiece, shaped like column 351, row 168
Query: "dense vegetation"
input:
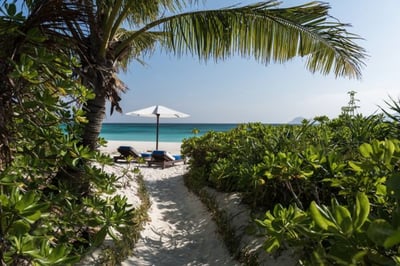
column 45, row 216
column 329, row 189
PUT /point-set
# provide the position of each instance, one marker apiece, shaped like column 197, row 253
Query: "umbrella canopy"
column 158, row 111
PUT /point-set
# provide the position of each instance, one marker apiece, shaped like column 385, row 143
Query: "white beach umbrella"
column 158, row 111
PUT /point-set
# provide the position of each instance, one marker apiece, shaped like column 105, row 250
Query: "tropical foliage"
column 329, row 190
column 44, row 220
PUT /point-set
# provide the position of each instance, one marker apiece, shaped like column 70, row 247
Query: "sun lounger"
column 125, row 152
column 164, row 159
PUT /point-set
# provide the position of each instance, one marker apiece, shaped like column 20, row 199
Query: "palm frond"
column 133, row 12
column 268, row 34
column 145, row 11
column 126, row 52
column 394, row 107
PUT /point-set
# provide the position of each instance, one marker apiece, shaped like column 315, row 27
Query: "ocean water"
column 168, row 132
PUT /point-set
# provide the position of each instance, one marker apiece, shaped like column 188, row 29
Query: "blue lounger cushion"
column 162, row 155
column 146, row 155
column 164, row 159
column 178, row 157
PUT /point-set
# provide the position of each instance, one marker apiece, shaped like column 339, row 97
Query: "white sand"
column 181, row 230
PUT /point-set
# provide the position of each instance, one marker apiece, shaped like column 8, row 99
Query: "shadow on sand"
column 181, row 231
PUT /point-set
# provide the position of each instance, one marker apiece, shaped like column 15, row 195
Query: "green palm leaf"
column 269, row 35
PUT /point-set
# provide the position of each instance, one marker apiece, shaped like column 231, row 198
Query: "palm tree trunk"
column 96, row 110
column 96, row 79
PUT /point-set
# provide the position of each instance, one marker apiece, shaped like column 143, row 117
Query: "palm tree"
column 262, row 31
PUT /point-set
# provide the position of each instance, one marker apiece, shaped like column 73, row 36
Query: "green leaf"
column 393, row 185
column 343, row 218
column 396, row 259
column 361, row 210
column 33, row 217
column 271, row 244
column 355, row 166
column 392, row 240
column 380, row 260
column 379, row 230
column 4, row 200
column 100, row 236
column 20, row 227
column 344, row 253
column 57, row 253
column 381, row 190
column 76, row 161
column 319, row 219
column 11, row 9
column 26, row 201
column 306, row 173
column 60, row 255
column 366, row 150
column 112, row 234
column 389, row 151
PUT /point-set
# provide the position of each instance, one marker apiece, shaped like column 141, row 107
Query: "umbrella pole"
column 158, row 121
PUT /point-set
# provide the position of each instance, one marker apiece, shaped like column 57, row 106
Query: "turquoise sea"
column 168, row 132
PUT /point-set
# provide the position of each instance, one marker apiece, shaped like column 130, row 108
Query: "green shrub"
column 349, row 164
column 45, row 216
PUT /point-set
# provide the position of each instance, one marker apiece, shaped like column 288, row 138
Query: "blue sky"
column 241, row 90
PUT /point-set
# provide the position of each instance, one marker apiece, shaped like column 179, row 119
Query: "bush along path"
column 236, row 225
column 113, row 251
column 181, row 230
column 329, row 193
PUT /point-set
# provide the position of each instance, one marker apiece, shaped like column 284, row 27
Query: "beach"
column 181, row 230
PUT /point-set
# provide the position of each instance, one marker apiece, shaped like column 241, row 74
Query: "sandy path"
column 181, row 231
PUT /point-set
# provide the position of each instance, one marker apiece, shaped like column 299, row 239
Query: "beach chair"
column 125, row 152
column 164, row 159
